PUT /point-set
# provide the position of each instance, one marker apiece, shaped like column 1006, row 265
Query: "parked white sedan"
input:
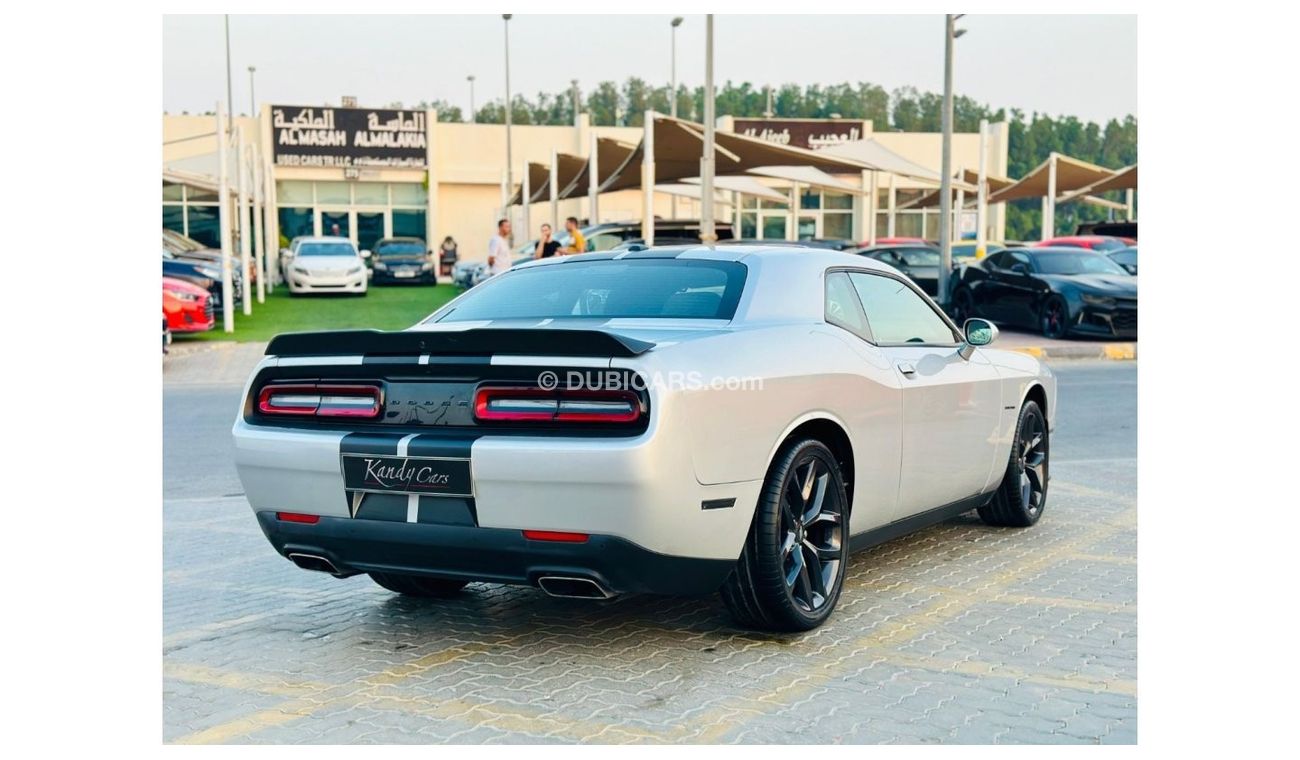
column 675, row 420
column 326, row 265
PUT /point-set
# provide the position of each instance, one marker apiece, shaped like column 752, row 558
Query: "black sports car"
column 920, row 262
column 1056, row 291
column 403, row 259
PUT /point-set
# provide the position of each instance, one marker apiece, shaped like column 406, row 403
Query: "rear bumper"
column 493, row 555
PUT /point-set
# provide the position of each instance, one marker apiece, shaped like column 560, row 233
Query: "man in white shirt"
column 499, row 249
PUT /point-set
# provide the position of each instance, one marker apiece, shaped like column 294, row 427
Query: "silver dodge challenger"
column 677, row 420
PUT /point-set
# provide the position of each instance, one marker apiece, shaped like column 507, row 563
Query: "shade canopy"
column 806, row 175
column 677, row 149
column 539, row 179
column 1071, row 174
column 965, row 177
column 610, row 155
column 879, row 158
column 741, row 184
column 1124, row 179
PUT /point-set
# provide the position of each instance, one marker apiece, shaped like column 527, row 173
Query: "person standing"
column 546, row 246
column 499, row 249
column 579, row 243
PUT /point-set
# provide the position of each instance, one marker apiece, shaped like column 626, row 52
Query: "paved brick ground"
column 961, row 633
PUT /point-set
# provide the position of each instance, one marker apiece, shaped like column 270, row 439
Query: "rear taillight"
column 320, row 400
column 539, row 405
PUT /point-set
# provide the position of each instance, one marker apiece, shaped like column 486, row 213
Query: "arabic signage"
column 801, row 133
column 349, row 137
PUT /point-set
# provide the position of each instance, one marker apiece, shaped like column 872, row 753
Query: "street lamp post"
column 672, row 96
column 950, row 33
column 252, row 92
column 510, row 179
column 229, row 99
column 473, row 115
column 708, row 235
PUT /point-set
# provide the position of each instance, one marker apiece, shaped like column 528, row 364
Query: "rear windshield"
column 639, row 289
column 400, row 249
column 326, row 249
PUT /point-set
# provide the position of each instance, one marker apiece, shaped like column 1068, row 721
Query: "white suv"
column 325, row 265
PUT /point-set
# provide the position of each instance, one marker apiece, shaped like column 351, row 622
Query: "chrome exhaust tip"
column 572, row 587
column 313, row 562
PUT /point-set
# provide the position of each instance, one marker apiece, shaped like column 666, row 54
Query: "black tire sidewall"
column 768, row 536
column 1065, row 318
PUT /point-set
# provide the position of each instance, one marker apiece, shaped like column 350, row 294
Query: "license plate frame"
column 407, row 475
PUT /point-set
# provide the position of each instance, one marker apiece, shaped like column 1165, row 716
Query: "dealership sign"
column 349, row 137
column 801, row 133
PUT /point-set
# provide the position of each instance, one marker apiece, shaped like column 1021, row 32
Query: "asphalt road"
column 960, row 633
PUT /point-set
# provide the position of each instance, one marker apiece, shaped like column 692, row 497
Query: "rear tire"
column 792, row 567
column 417, row 585
column 1022, row 495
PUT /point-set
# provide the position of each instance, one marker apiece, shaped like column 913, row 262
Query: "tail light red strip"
column 320, row 400
column 297, row 517
column 502, row 404
column 556, row 535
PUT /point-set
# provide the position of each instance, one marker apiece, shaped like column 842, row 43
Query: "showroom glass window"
column 191, row 211
column 897, row 314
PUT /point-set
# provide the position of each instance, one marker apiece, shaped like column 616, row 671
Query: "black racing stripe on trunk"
column 654, row 253
column 408, row 359
column 445, row 510
column 373, row 506
column 470, row 360
column 370, row 443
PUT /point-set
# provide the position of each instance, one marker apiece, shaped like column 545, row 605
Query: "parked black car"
column 1056, row 291
column 1127, row 258
column 206, row 274
column 918, row 261
column 402, row 259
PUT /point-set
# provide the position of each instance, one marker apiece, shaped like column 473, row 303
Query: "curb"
column 1110, row 351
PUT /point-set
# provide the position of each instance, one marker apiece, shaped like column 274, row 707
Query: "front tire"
column 792, row 567
column 1022, row 495
column 963, row 305
column 1055, row 318
column 417, row 585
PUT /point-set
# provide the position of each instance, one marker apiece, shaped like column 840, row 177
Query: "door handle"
column 907, row 368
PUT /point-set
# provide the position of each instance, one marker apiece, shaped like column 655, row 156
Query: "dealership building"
column 374, row 173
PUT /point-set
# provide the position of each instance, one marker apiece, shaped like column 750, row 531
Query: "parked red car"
column 1099, row 243
column 187, row 307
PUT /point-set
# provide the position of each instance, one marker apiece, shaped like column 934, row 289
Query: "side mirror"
column 978, row 332
column 365, row 254
column 1019, row 268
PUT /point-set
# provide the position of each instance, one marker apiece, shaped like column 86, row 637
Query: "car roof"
column 399, row 240
column 732, row 252
column 322, row 239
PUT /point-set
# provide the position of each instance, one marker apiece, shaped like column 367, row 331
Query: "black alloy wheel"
column 1054, row 320
column 1020, row 499
column 963, row 305
column 792, row 568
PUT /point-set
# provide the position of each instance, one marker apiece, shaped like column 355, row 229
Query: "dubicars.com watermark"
column 619, row 380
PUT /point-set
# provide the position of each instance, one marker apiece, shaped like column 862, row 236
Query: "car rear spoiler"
column 479, row 341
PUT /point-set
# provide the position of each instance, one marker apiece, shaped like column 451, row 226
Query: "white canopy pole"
column 555, row 190
column 960, row 211
column 648, row 180
column 271, row 222
column 525, row 192
column 1128, row 205
column 1049, row 201
column 593, row 181
column 792, row 228
column 708, row 232
column 259, row 208
column 982, row 197
column 223, row 223
column 872, row 200
column 893, row 207
column 245, row 251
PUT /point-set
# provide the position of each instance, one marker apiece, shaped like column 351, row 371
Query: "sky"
column 1084, row 66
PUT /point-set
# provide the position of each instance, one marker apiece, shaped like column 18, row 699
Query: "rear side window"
column 626, row 289
column 842, row 307
column 898, row 314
